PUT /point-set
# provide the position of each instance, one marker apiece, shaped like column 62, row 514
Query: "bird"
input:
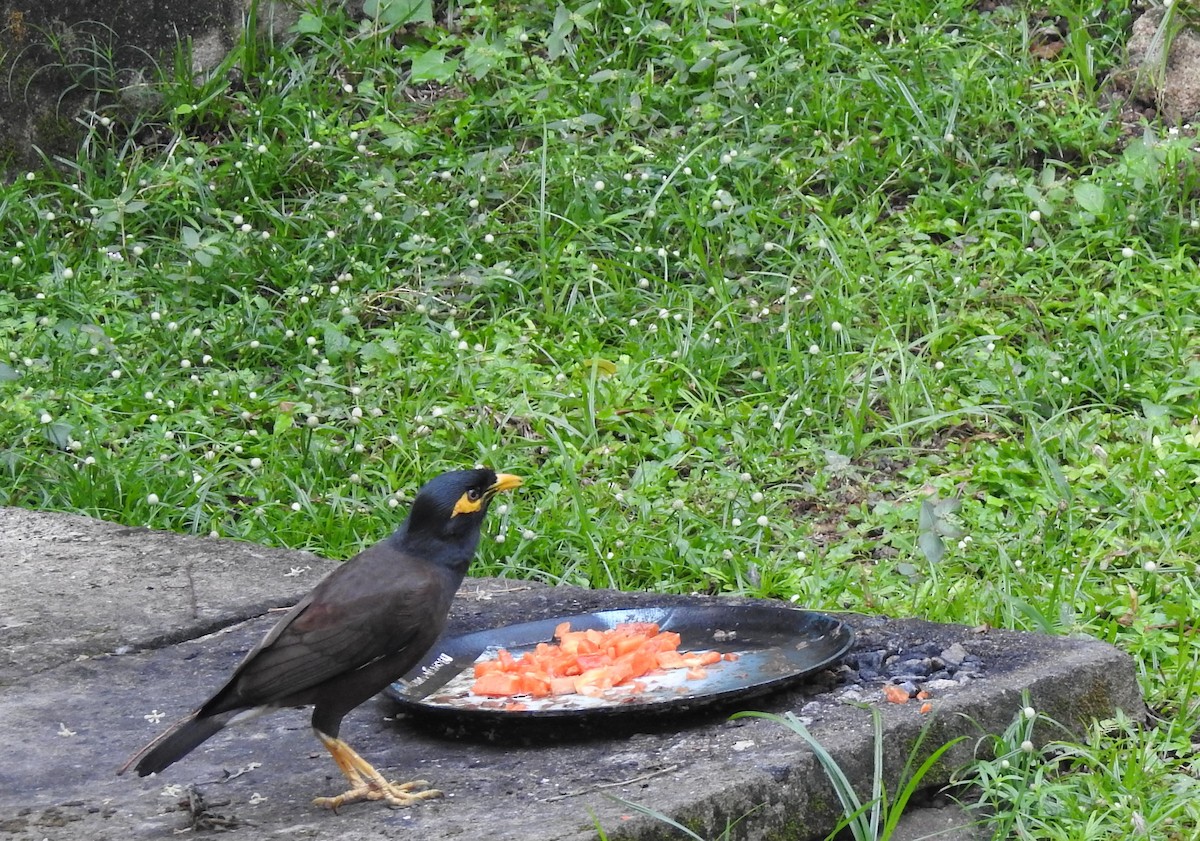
column 363, row 626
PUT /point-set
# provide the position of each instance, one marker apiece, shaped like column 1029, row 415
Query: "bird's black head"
column 447, row 514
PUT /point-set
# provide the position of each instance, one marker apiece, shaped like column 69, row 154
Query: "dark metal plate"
column 776, row 646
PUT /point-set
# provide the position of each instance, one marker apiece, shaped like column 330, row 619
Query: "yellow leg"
column 366, row 783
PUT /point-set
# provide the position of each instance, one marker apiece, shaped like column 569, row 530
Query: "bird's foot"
column 395, row 795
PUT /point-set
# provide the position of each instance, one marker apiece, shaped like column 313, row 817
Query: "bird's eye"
column 474, row 494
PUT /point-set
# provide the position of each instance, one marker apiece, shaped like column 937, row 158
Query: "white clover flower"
column 296, row 506
column 814, row 349
column 152, row 499
column 598, row 186
column 1127, row 252
column 500, row 537
column 1035, row 216
column 1150, row 566
column 312, row 420
column 1027, row 746
column 939, row 365
column 763, row 521
column 185, row 363
column 736, row 521
column 528, row 534
column 115, row 374
column 835, row 326
column 756, row 497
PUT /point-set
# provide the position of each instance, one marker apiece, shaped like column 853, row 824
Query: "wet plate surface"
column 775, row 646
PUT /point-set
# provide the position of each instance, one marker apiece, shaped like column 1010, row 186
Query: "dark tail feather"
column 176, row 743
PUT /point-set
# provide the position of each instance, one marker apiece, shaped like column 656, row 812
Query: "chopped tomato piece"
column 498, row 684
column 589, row 662
column 670, row 660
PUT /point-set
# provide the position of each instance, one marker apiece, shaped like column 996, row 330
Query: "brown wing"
column 376, row 605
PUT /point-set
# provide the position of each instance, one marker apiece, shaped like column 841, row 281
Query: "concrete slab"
column 77, row 586
column 69, row 725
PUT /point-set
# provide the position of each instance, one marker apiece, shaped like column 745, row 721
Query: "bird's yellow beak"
column 505, row 482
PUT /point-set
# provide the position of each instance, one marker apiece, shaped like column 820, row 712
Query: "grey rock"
column 73, row 712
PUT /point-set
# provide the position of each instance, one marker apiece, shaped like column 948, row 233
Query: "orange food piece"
column 589, row 662
column 926, row 707
column 895, row 694
column 498, row 684
column 670, row 660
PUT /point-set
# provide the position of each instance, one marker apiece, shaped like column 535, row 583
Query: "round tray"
column 775, row 647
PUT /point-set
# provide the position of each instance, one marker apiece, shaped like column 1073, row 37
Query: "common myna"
column 366, row 624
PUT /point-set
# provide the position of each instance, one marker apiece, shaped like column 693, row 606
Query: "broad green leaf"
column 931, row 547
column 308, row 24
column 1090, row 197
column 481, row 55
column 556, row 41
column 335, row 341
column 399, row 12
column 432, row 66
column 926, row 516
column 1154, row 411
column 59, row 434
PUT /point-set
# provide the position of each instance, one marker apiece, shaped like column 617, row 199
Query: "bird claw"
column 395, row 794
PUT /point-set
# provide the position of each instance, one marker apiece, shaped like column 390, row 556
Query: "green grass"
column 737, row 289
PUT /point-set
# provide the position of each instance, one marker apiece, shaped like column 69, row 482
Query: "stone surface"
column 119, row 588
column 1164, row 66
column 946, row 822
column 71, row 722
column 61, row 59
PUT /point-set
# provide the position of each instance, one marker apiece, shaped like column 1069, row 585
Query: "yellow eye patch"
column 466, row 505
